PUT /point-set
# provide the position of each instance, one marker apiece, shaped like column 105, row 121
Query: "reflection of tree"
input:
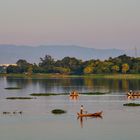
column 18, row 82
column 61, row 84
column 115, row 84
column 70, row 84
column 80, row 84
column 125, row 85
column 48, row 84
column 134, row 84
column 89, row 82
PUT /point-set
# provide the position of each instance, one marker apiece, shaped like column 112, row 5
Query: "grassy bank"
column 43, row 76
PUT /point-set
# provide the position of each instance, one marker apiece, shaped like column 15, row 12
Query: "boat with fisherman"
column 74, row 93
column 84, row 113
column 133, row 93
column 97, row 114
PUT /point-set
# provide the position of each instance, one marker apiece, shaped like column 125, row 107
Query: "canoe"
column 133, row 97
column 97, row 114
column 133, row 94
column 74, row 95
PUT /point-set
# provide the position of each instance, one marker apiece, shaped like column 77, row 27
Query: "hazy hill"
column 11, row 53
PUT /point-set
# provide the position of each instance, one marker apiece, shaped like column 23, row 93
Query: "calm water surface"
column 38, row 123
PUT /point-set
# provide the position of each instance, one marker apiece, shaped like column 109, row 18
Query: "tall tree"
column 23, row 65
column 75, row 65
column 47, row 61
column 47, row 64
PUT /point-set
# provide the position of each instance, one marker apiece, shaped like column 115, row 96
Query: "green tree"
column 47, row 64
column 13, row 69
column 23, row 65
column 22, row 62
column 30, row 70
column 61, row 70
column 115, row 68
column 102, row 67
column 88, row 70
column 46, row 61
column 75, row 65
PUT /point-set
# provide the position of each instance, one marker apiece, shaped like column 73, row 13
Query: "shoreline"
column 43, row 76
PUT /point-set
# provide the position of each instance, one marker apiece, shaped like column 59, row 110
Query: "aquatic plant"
column 56, row 94
column 93, row 93
column 58, row 111
column 5, row 112
column 12, row 88
column 131, row 104
column 20, row 98
column 14, row 112
column 47, row 94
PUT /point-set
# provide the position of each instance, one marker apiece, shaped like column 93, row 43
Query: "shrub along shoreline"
column 122, row 64
column 45, row 76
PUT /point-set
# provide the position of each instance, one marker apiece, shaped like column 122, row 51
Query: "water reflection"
column 65, row 85
column 37, row 112
column 82, row 119
column 74, row 97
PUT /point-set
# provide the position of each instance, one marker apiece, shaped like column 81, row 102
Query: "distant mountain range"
column 12, row 53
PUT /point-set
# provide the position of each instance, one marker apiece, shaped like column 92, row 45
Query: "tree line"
column 71, row 65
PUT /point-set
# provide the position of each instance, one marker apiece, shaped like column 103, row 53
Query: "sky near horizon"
column 89, row 23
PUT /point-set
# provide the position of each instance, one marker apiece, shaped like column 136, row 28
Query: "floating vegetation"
column 6, row 112
column 93, row 93
column 13, row 88
column 131, row 104
column 56, row 94
column 47, row 94
column 19, row 98
column 15, row 112
column 58, row 111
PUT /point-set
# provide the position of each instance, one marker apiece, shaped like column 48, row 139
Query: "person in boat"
column 81, row 109
column 74, row 93
column 130, row 91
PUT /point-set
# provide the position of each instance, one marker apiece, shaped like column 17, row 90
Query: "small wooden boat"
column 133, row 94
column 74, row 94
column 133, row 97
column 97, row 114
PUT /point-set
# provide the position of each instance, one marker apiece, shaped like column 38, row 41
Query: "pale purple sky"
column 89, row 23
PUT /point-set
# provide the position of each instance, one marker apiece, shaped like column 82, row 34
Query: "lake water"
column 38, row 123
